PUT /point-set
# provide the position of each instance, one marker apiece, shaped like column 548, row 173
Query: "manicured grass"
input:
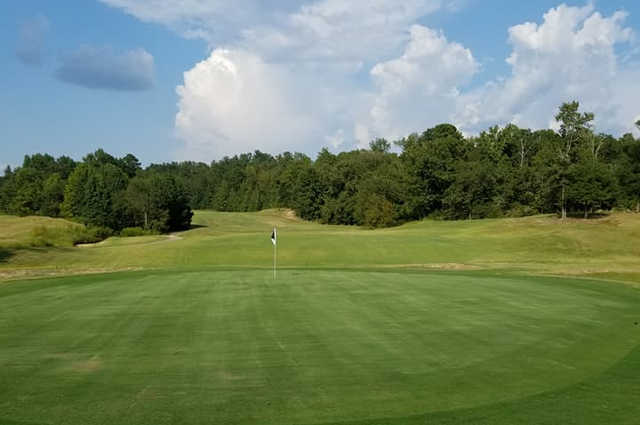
column 318, row 346
column 427, row 323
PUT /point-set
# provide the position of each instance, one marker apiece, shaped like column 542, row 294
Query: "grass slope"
column 606, row 248
column 318, row 347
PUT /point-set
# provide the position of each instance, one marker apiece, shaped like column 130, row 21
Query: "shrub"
column 135, row 231
column 82, row 235
column 518, row 210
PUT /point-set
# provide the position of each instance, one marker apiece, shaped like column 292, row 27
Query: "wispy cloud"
column 104, row 68
column 31, row 40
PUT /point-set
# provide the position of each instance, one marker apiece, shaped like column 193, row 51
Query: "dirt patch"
column 167, row 238
column 229, row 376
column 85, row 366
column 88, row 366
column 624, row 276
column 90, row 245
column 435, row 266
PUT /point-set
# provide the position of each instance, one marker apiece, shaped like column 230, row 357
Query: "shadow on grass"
column 591, row 216
column 196, row 226
column 610, row 398
column 5, row 254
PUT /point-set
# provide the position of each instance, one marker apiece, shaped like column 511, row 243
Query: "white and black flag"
column 274, row 241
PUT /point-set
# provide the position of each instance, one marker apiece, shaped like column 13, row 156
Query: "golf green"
column 212, row 346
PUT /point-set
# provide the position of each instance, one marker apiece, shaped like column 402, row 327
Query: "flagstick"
column 275, row 254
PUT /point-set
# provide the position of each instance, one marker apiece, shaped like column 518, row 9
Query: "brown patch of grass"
column 7, row 276
column 70, row 363
column 290, row 215
column 434, row 266
column 87, row 366
column 228, row 376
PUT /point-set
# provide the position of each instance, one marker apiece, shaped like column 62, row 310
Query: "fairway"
column 318, row 347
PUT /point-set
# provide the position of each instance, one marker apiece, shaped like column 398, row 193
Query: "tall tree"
column 628, row 172
column 593, row 186
column 91, row 193
column 157, row 202
column 380, row 145
column 430, row 160
column 575, row 128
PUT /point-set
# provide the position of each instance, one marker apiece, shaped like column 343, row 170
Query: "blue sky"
column 299, row 75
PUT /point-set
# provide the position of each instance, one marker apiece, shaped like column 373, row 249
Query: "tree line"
column 104, row 192
column 502, row 172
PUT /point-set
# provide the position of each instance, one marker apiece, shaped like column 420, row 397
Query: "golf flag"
column 274, row 241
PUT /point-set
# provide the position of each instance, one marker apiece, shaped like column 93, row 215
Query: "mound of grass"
column 608, row 248
column 39, row 232
column 18, row 232
column 42, row 236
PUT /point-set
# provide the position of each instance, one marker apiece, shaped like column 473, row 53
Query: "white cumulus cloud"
column 234, row 102
column 421, row 87
column 571, row 55
column 299, row 75
column 347, row 32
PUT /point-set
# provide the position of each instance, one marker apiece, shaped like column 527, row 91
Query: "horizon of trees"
column 502, row 172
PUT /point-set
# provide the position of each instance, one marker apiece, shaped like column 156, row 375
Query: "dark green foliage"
column 128, row 232
column 430, row 163
column 104, row 192
column 90, row 234
column 91, row 194
column 628, row 172
column 37, row 187
column 130, row 165
column 156, row 202
column 502, row 172
column 380, row 145
column 195, row 177
column 52, row 195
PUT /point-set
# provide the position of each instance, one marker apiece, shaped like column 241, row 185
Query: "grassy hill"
column 524, row 321
column 606, row 247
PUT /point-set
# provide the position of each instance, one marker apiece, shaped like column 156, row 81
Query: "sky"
column 173, row 80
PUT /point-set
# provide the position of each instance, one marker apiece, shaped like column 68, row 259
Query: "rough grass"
column 606, row 248
column 25, row 232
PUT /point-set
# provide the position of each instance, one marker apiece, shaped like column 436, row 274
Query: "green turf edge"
column 578, row 404
column 15, row 286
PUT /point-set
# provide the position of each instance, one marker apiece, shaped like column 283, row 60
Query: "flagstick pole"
column 275, row 256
